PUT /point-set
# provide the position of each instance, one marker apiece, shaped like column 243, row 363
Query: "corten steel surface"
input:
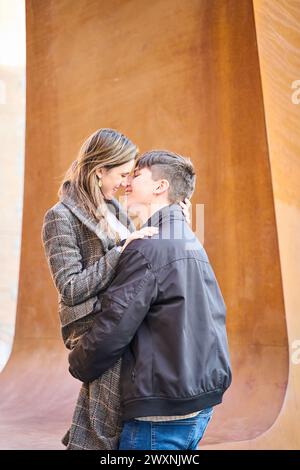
column 183, row 77
column 278, row 34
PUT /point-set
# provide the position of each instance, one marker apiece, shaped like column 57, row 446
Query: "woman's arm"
column 74, row 283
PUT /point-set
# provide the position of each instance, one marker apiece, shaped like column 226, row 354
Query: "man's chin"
column 130, row 200
column 132, row 203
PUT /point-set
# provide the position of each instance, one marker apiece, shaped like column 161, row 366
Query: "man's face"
column 140, row 187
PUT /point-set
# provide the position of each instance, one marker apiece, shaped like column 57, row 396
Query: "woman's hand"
column 186, row 209
column 143, row 232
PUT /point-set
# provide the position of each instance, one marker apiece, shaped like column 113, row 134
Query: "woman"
column 82, row 237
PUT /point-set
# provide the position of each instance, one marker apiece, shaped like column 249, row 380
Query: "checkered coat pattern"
column 82, row 261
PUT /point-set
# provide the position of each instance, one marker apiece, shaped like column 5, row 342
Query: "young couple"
column 141, row 311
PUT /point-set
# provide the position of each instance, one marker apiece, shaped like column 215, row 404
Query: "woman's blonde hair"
column 104, row 148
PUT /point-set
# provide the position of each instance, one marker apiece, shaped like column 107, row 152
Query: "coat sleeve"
column 125, row 304
column 74, row 283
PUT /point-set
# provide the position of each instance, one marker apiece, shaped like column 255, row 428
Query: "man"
column 165, row 315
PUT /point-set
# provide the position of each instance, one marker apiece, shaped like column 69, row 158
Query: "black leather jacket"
column 164, row 313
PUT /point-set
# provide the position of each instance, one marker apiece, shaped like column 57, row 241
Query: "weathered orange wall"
column 278, row 34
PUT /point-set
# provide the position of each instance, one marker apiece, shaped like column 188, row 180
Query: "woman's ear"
column 99, row 172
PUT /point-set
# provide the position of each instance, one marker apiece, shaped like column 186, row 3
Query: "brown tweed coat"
column 82, row 261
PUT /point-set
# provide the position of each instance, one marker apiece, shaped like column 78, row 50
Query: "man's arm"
column 125, row 304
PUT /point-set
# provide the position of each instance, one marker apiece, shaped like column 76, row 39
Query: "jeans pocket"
column 128, row 435
column 204, row 418
column 173, row 435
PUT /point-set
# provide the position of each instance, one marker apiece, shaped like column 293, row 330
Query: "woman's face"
column 114, row 178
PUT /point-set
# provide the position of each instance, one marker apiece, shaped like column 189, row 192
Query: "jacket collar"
column 70, row 199
column 171, row 212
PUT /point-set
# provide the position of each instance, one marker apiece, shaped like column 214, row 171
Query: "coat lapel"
column 70, row 200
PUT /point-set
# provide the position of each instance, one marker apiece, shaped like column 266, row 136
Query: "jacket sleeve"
column 124, row 306
column 74, row 283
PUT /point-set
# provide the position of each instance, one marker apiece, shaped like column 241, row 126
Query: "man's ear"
column 162, row 187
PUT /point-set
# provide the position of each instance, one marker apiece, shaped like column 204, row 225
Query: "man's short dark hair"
column 178, row 170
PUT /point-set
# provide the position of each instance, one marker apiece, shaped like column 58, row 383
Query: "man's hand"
column 186, row 205
column 143, row 232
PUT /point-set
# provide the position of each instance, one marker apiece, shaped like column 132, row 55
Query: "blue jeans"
column 182, row 434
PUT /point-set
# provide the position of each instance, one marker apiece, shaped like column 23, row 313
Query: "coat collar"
column 70, row 199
